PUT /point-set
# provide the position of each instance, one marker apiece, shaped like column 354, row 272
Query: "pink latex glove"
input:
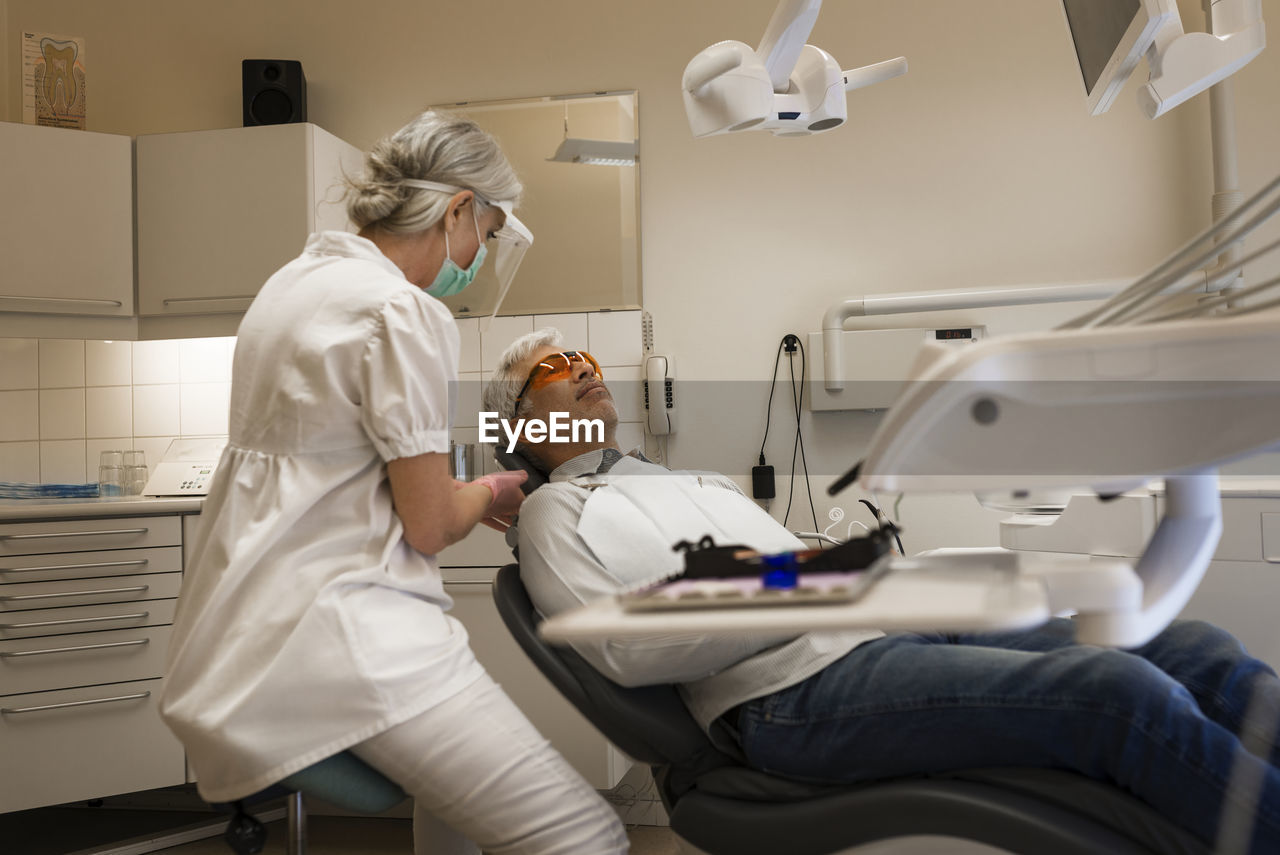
column 507, row 494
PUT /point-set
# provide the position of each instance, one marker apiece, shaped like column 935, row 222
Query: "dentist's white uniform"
column 306, row 623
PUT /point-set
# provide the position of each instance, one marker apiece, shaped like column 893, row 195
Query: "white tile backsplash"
column 19, row 363
column 204, row 407
column 500, row 334
column 20, row 462
column 108, row 411
column 205, row 360
column 153, row 447
column 61, row 363
column 19, row 416
column 63, row 401
column 468, row 345
column 614, row 337
column 156, row 362
column 108, row 363
column 157, row 410
column 63, row 462
column 62, row 414
column 572, row 326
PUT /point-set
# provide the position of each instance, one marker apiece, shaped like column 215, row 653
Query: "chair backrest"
column 650, row 723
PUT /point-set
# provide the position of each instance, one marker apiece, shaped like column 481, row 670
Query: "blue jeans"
column 1163, row 721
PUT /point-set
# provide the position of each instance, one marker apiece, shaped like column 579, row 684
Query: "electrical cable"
column 881, row 520
column 797, row 397
column 768, row 408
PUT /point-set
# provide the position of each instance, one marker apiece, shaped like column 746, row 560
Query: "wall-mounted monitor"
column 1111, row 37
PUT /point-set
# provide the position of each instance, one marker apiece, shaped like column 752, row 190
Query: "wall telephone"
column 659, row 395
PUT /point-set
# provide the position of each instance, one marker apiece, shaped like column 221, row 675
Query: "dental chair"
column 722, row 807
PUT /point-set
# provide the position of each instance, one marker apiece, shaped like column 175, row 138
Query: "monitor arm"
column 1185, row 64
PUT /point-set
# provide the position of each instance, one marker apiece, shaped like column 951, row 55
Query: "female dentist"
column 312, row 616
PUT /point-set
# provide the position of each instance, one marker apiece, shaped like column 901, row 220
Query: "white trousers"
column 482, row 778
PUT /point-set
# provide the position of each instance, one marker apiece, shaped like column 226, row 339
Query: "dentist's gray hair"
column 435, row 146
column 500, row 395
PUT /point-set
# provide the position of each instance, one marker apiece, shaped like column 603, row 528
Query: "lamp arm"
column 784, row 38
column 879, row 72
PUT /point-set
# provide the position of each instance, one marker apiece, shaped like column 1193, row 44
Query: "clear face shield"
column 506, row 249
column 513, row 241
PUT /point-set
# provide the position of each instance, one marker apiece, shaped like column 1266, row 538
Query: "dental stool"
column 725, row 808
column 343, row 780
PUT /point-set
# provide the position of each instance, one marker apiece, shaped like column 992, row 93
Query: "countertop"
column 14, row 510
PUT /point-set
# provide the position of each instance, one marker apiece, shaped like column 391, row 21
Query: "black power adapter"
column 762, row 486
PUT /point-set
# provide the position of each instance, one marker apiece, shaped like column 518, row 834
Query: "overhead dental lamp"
column 784, row 86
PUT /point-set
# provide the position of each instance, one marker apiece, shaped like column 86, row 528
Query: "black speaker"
column 275, row 91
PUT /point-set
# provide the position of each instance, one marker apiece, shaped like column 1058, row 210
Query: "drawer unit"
column 36, row 622
column 34, row 538
column 87, row 565
column 23, row 596
column 82, row 659
column 85, row 743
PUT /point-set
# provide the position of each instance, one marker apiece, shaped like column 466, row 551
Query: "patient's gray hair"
column 500, row 395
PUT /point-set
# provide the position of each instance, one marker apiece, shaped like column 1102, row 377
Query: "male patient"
column 1166, row 721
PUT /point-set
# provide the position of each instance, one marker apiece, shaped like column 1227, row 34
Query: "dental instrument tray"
column 737, row 576
column 818, row 589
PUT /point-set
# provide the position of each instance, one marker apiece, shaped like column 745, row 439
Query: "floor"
column 81, row 831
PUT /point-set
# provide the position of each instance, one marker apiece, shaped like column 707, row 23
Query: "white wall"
column 980, row 167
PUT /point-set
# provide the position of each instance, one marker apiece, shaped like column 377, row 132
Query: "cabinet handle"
column 139, row 563
column 14, row 655
column 173, row 300
column 136, row 697
column 488, row 583
column 24, row 597
column 115, row 303
column 69, row 621
column 73, row 534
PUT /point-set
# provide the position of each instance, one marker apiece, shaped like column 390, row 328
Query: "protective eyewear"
column 557, row 366
column 513, row 239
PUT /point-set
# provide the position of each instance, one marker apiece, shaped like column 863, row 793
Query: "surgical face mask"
column 513, row 239
column 451, row 279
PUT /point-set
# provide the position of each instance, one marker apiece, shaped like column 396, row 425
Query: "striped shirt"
column 714, row 674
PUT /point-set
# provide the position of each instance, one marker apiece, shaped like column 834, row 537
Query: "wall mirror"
column 577, row 156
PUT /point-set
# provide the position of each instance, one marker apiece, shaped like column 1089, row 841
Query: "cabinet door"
column 66, row 225
column 220, row 211
column 85, row 743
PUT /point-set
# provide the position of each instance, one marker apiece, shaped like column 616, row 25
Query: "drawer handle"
column 68, row 622
column 136, row 697
column 140, row 563
column 16, row 654
column 72, row 300
column 486, row 582
column 24, row 597
column 73, row 534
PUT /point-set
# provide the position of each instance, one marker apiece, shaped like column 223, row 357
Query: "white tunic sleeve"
column 405, row 376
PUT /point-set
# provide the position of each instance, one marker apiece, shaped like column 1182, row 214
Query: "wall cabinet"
column 219, row 211
column 66, row 223
column 86, row 608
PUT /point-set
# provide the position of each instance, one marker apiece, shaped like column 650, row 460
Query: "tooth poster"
column 53, row 80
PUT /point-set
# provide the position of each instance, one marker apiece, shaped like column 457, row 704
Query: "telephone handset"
column 659, row 395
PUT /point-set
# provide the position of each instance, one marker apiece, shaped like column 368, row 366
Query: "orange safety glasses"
column 557, row 366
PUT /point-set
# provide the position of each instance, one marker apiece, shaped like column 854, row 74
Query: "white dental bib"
column 635, row 517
